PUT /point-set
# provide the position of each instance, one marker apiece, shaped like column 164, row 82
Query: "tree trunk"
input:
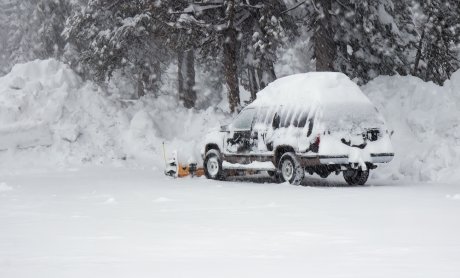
column 259, row 79
column 142, row 83
column 428, row 68
column 253, row 82
column 325, row 50
column 231, row 69
column 269, row 75
column 230, row 50
column 418, row 56
column 186, row 78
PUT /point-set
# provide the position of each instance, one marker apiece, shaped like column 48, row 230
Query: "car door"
column 262, row 124
column 238, row 139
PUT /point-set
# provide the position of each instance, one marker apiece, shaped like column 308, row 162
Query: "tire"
column 213, row 166
column 356, row 176
column 290, row 169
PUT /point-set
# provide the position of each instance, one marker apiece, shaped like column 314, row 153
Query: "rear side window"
column 298, row 117
column 284, row 117
column 301, row 120
column 244, row 120
column 292, row 116
column 287, row 118
column 263, row 116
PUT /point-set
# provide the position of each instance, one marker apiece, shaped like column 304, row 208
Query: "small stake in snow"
column 164, row 155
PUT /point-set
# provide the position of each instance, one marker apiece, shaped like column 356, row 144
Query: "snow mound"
column 313, row 87
column 45, row 105
column 50, row 117
column 426, row 121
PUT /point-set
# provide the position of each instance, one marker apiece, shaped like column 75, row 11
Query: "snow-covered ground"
column 121, row 222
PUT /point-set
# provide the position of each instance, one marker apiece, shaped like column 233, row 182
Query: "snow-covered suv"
column 315, row 122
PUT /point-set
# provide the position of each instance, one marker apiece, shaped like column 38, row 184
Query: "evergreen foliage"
column 438, row 47
column 31, row 29
column 238, row 42
column 125, row 35
column 363, row 39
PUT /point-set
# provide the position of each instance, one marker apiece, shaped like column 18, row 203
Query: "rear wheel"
column 213, row 166
column 290, row 169
column 356, row 176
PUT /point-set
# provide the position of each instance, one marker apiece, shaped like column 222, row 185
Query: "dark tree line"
column 241, row 39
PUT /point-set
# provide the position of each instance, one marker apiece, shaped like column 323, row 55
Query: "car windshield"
column 244, row 120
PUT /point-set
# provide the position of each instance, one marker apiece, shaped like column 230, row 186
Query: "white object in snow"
column 256, row 165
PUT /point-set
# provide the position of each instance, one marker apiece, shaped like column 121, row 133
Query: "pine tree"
column 183, row 40
column 245, row 33
column 363, row 39
column 51, row 17
column 120, row 36
column 32, row 29
column 267, row 27
column 20, row 36
column 438, row 47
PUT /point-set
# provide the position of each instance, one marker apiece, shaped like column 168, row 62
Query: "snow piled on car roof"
column 313, row 87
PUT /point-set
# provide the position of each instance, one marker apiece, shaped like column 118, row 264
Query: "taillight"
column 318, row 140
column 315, row 146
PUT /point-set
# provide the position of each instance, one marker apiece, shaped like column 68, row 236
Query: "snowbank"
column 426, row 121
column 50, row 117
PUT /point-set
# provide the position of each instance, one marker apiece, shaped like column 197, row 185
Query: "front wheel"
column 290, row 169
column 213, row 166
column 356, row 176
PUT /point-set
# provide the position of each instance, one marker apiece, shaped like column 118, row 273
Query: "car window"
column 287, row 117
column 262, row 115
column 302, row 119
column 244, row 120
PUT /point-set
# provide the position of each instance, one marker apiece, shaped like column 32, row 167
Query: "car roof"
column 314, row 87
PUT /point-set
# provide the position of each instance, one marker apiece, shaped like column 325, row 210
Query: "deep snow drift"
column 50, row 117
column 426, row 120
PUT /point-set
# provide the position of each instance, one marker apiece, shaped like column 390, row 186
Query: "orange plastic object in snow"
column 189, row 170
